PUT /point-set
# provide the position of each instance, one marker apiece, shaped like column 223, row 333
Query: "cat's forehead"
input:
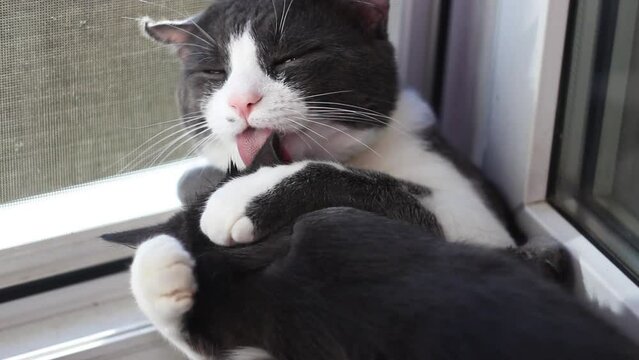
column 270, row 19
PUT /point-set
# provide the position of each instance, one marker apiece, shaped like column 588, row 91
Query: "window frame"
column 511, row 97
column 577, row 186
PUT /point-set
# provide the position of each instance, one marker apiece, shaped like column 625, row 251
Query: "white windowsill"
column 113, row 201
column 95, row 319
column 60, row 232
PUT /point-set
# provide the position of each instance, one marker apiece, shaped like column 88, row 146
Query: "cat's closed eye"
column 214, row 73
column 278, row 64
column 290, row 59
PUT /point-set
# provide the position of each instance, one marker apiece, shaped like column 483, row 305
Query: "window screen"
column 596, row 180
column 81, row 90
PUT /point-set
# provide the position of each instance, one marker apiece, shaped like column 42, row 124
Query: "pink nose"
column 245, row 103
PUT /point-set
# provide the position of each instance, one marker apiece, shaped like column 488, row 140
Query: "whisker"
column 282, row 19
column 161, row 154
column 316, row 142
column 299, row 135
column 352, row 119
column 339, row 114
column 351, row 113
column 307, row 128
column 199, row 145
column 345, row 133
column 351, row 106
column 347, row 114
column 375, row 117
column 276, row 17
column 157, row 135
column 285, row 17
column 181, row 141
column 325, row 94
column 320, row 145
column 186, row 120
column 137, row 158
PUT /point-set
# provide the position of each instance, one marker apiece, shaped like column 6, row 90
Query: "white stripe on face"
column 245, row 77
column 246, row 74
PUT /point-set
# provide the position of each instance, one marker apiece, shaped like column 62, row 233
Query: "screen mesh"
column 80, row 91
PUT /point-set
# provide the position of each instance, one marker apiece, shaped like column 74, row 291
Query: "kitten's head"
column 320, row 73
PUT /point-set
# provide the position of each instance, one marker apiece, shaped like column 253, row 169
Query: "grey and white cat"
column 321, row 75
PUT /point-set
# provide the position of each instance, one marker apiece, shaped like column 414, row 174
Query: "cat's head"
column 320, row 73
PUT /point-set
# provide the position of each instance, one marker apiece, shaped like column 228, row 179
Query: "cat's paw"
column 550, row 258
column 224, row 219
column 162, row 280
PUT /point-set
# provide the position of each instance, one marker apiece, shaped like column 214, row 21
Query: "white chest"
column 455, row 201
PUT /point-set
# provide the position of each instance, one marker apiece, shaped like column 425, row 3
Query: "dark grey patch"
column 197, row 182
column 320, row 186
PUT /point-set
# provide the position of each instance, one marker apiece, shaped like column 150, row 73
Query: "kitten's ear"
column 133, row 238
column 168, row 32
column 373, row 15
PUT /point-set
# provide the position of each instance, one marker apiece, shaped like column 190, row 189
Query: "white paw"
column 224, row 219
column 162, row 280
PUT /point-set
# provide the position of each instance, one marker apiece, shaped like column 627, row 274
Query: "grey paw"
column 551, row 259
column 198, row 182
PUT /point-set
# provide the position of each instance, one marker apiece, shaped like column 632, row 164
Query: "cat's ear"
column 167, row 32
column 133, row 238
column 373, row 15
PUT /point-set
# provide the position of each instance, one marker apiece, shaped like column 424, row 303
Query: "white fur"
column 457, row 205
column 163, row 285
column 224, row 219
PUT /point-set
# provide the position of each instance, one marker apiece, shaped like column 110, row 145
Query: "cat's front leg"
column 253, row 206
column 164, row 286
column 224, row 220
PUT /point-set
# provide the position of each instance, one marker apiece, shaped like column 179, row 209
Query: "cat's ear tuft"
column 133, row 238
column 167, row 32
column 373, row 15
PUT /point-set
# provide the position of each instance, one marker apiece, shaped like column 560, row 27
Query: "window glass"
column 82, row 93
column 596, row 166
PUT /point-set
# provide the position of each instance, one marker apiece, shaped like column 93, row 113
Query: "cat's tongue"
column 250, row 142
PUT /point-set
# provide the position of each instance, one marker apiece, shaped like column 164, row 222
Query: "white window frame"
column 59, row 233
column 499, row 108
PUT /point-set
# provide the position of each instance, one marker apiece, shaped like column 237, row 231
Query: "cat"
column 345, row 284
column 322, row 75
